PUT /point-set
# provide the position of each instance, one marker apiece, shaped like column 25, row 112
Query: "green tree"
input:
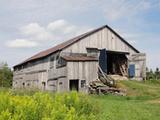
column 157, row 73
column 6, row 75
column 150, row 74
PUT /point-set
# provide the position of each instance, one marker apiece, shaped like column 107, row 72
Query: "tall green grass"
column 46, row 106
column 141, row 103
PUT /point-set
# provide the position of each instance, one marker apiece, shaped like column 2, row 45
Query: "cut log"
column 105, row 79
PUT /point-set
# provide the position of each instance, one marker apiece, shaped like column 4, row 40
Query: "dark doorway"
column 23, row 85
column 116, row 63
column 43, row 85
column 73, row 85
column 113, row 62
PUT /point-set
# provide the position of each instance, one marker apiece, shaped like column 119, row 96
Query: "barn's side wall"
column 32, row 74
column 43, row 71
column 58, row 79
column 87, row 71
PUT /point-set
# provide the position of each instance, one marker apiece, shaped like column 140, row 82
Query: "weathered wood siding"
column 60, row 75
column 139, row 60
column 101, row 39
column 83, row 71
column 56, row 73
column 63, row 84
column 32, row 74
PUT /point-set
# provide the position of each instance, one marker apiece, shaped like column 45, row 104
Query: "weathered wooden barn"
column 75, row 63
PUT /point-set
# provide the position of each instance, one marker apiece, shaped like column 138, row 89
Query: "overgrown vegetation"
column 46, row 106
column 6, row 75
column 141, row 103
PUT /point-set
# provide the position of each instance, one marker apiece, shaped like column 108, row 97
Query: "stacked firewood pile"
column 105, row 85
column 97, row 87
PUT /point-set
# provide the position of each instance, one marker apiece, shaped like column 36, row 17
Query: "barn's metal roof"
column 70, row 42
column 80, row 58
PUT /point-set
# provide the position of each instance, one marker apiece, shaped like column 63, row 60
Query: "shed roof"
column 70, row 42
column 80, row 58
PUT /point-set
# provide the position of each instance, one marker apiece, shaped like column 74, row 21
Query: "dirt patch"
column 156, row 101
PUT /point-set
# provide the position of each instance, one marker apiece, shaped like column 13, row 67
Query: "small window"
column 52, row 58
column 83, row 83
column 60, row 83
column 61, row 63
column 92, row 51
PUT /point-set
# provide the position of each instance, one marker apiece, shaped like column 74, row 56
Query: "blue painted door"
column 103, row 60
column 131, row 70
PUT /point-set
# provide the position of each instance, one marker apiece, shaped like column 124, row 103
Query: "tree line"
column 6, row 75
column 152, row 75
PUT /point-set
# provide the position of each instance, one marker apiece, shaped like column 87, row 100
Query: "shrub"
column 46, row 106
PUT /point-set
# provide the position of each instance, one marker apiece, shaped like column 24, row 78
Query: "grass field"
column 141, row 103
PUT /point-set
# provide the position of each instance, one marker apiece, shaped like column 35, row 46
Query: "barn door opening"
column 131, row 70
column 113, row 62
column 43, row 85
column 74, row 85
column 117, row 63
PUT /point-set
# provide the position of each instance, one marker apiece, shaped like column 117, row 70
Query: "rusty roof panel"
column 80, row 58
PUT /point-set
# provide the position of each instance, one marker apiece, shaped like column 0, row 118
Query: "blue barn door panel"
column 103, row 60
column 131, row 70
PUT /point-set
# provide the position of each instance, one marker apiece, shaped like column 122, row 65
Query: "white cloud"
column 21, row 43
column 32, row 29
column 58, row 24
column 36, row 32
column 35, row 35
column 118, row 9
column 61, row 26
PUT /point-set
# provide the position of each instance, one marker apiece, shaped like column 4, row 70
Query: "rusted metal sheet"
column 80, row 58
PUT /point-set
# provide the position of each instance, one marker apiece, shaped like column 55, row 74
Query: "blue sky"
column 29, row 26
